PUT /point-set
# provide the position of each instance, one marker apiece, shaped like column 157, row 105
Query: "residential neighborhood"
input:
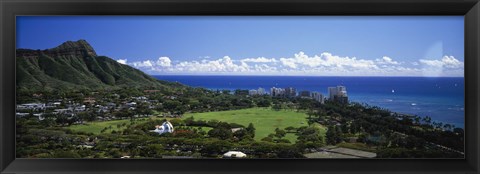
column 105, row 107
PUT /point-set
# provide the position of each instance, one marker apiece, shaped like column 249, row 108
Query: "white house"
column 236, row 129
column 39, row 116
column 164, row 128
column 34, row 106
column 20, row 114
column 234, row 154
column 131, row 104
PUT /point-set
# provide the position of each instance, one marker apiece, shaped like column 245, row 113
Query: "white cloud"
column 264, row 68
column 434, row 63
column 259, row 60
column 289, row 62
column 122, row 61
column 326, row 60
column 224, row 64
column 324, row 64
column 386, row 60
column 451, row 62
column 448, row 64
column 142, row 64
column 164, row 62
column 446, row 61
column 161, row 64
column 204, row 57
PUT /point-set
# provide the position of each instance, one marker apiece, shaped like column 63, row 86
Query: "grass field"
column 97, row 126
column 265, row 120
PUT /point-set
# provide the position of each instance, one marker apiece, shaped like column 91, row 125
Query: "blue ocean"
column 441, row 98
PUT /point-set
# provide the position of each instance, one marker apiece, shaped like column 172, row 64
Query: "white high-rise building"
column 332, row 91
column 261, row 91
column 275, row 92
column 252, row 92
column 340, row 91
column 318, row 97
column 290, row 92
column 338, row 94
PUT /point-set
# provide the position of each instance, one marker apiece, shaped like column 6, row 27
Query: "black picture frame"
column 11, row 8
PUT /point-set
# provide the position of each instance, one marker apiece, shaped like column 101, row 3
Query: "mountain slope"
column 75, row 65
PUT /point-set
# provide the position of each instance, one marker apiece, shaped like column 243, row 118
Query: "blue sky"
column 315, row 45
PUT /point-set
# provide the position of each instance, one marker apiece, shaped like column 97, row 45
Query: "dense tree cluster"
column 392, row 134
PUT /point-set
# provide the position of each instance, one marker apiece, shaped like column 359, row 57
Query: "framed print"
column 254, row 86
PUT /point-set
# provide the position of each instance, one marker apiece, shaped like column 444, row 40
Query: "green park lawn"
column 265, row 120
column 97, row 126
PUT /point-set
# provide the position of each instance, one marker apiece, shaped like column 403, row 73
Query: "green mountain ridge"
column 75, row 65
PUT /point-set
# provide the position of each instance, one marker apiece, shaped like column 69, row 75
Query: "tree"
column 61, row 119
column 82, row 116
column 124, row 113
column 65, row 154
column 267, row 139
column 190, row 121
column 339, row 134
column 279, row 133
column 241, row 92
column 215, row 147
column 251, row 130
column 336, row 115
column 242, row 134
column 277, row 107
column 226, row 91
column 180, row 110
column 282, row 140
column 427, row 119
column 310, row 113
column 310, row 137
column 177, row 122
column 143, row 109
column 171, row 106
column 458, row 131
column 290, row 129
column 344, row 128
column 49, row 120
column 331, row 135
column 213, row 123
column 221, row 133
column 264, row 103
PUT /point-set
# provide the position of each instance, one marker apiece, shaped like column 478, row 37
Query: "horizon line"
column 295, row 75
